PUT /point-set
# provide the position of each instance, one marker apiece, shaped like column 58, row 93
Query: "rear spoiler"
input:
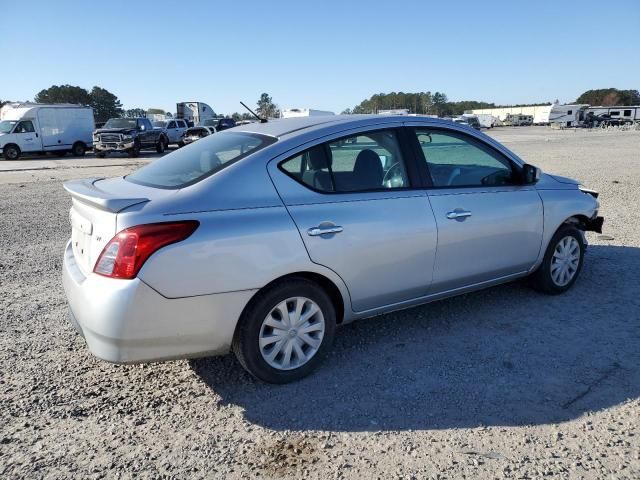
column 86, row 191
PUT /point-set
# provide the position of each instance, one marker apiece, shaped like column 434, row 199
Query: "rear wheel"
column 562, row 261
column 11, row 152
column 286, row 331
column 161, row 146
column 79, row 149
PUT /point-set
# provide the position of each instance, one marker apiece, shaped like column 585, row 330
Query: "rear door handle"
column 457, row 213
column 315, row 231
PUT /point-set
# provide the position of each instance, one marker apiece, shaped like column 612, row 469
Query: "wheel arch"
column 329, row 286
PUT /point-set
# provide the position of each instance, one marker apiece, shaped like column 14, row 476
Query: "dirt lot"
column 504, row 383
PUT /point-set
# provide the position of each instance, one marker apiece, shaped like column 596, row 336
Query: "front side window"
column 364, row 162
column 199, row 160
column 24, row 127
column 7, row 125
column 457, row 160
column 171, row 125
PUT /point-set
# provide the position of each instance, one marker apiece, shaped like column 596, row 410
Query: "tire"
column 548, row 279
column 135, row 150
column 79, row 149
column 11, row 152
column 161, row 145
column 180, row 144
column 263, row 307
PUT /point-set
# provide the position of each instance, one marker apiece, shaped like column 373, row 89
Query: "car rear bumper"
column 127, row 321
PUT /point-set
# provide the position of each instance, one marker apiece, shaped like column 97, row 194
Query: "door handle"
column 458, row 214
column 315, row 231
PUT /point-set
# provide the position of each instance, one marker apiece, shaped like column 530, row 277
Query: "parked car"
column 219, row 123
column 128, row 135
column 264, row 240
column 36, row 128
column 196, row 133
column 173, row 129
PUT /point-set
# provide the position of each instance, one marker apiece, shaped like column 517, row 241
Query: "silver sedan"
column 264, row 238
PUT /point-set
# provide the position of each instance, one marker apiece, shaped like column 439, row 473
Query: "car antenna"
column 262, row 120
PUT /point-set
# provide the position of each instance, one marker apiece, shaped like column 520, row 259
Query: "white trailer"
column 38, row 128
column 484, row 119
column 304, row 112
column 194, row 112
column 563, row 116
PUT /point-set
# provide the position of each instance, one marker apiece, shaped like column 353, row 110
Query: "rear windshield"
column 199, row 160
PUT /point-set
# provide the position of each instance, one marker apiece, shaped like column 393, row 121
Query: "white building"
column 304, row 112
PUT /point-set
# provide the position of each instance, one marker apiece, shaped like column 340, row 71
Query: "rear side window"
column 199, row 160
column 365, row 162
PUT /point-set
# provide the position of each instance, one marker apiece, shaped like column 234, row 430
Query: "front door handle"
column 458, row 213
column 320, row 230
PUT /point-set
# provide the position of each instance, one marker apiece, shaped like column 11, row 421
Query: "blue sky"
column 328, row 54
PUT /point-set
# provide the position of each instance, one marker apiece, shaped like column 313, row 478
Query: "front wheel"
column 11, row 152
column 135, row 150
column 286, row 331
column 562, row 262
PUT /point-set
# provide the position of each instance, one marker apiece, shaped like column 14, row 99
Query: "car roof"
column 289, row 126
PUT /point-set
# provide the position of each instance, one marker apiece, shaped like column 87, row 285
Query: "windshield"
column 7, row 125
column 120, row 123
column 199, row 160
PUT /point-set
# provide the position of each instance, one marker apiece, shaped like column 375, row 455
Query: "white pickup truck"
column 174, row 130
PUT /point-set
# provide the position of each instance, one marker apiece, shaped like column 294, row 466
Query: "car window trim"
column 406, row 151
column 485, row 147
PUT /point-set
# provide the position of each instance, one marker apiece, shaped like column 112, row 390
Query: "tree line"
column 107, row 105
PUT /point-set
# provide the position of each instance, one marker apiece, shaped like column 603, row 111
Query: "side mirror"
column 530, row 174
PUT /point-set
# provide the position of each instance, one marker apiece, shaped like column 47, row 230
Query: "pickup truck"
column 128, row 135
column 173, row 129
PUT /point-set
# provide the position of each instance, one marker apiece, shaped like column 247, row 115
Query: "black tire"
column 246, row 339
column 180, row 144
column 79, row 149
column 161, row 146
column 542, row 280
column 11, row 152
column 135, row 150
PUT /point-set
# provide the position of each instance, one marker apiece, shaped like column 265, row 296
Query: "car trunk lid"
column 93, row 215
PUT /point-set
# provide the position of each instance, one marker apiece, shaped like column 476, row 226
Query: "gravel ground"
column 503, row 383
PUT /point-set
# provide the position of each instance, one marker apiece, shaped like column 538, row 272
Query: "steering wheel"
column 393, row 174
column 499, row 177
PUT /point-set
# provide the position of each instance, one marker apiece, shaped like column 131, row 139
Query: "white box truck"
column 38, row 128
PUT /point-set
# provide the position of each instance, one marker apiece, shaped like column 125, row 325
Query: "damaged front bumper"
column 594, row 224
column 113, row 146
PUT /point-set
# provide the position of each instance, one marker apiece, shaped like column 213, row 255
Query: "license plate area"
column 81, row 230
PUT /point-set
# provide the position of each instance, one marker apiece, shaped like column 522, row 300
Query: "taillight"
column 125, row 253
